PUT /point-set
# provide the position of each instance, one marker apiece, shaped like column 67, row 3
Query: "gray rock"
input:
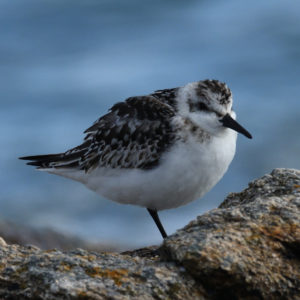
column 29, row 273
column 248, row 248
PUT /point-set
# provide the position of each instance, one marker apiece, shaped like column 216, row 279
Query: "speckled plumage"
column 133, row 134
column 159, row 151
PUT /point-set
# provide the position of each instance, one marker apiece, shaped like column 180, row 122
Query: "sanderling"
column 157, row 151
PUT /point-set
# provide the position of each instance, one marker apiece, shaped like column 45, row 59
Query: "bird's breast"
column 185, row 173
column 196, row 167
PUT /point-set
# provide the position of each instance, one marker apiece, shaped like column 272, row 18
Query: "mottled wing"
column 133, row 134
column 167, row 96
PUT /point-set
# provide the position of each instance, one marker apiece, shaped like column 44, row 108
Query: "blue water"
column 64, row 63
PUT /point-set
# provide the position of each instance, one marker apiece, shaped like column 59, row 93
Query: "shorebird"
column 158, row 151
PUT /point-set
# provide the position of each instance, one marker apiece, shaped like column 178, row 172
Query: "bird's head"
column 208, row 104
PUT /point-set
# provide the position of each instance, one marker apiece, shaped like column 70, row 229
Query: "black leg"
column 154, row 215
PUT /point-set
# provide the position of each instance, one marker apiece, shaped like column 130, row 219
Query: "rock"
column 46, row 238
column 29, row 273
column 248, row 248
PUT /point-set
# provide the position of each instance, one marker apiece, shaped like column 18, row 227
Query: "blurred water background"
column 64, row 63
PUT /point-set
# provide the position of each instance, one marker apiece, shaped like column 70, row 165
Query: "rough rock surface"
column 29, row 273
column 248, row 248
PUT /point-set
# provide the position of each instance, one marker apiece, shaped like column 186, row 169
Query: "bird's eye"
column 202, row 106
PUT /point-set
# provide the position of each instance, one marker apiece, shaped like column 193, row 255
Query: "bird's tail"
column 53, row 161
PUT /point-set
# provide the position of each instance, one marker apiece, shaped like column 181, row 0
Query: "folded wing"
column 134, row 134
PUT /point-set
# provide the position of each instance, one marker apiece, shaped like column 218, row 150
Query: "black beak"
column 227, row 121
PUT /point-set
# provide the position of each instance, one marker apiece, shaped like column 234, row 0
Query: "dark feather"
column 133, row 134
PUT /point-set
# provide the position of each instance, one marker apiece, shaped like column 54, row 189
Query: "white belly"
column 185, row 174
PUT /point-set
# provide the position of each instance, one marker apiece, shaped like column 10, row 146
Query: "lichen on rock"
column 248, row 248
column 250, row 245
